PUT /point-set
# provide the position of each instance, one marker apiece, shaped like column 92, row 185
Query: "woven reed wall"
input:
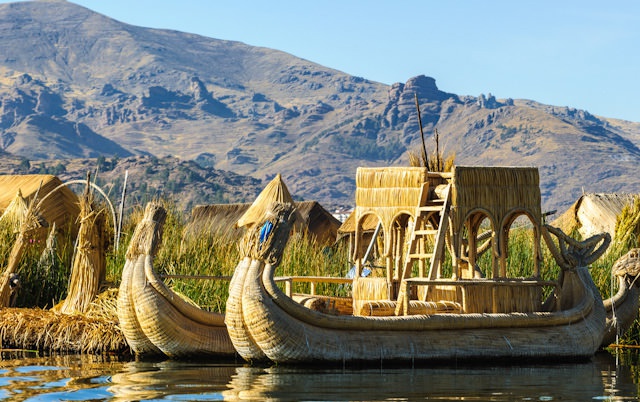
column 440, row 292
column 368, row 289
column 389, row 186
column 503, row 299
column 499, row 190
column 388, row 191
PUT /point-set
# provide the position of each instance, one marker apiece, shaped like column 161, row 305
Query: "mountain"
column 77, row 84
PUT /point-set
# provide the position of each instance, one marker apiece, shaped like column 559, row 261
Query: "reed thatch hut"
column 56, row 203
column 222, row 219
column 230, row 219
column 594, row 213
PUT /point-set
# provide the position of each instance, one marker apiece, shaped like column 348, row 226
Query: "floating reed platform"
column 51, row 332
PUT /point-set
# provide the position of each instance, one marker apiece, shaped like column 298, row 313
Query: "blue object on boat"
column 352, row 272
column 265, row 231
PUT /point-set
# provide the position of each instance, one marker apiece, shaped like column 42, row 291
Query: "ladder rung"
column 421, row 255
column 423, row 232
column 430, row 208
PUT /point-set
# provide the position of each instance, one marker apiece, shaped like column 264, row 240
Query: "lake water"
column 25, row 377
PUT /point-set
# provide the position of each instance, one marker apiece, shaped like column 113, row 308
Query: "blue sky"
column 584, row 54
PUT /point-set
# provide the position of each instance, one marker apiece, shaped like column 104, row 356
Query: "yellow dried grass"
column 89, row 263
column 45, row 330
column 29, row 224
column 627, row 228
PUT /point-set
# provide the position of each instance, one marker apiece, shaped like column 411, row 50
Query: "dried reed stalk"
column 89, row 264
column 45, row 330
column 15, row 212
column 627, row 231
column 30, row 222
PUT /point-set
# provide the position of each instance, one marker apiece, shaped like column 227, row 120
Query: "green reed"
column 43, row 281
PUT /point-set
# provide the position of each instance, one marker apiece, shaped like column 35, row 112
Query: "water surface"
column 26, row 377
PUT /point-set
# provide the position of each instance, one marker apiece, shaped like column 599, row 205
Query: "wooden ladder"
column 425, row 210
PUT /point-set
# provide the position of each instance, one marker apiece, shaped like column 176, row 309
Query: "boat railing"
column 311, row 280
column 205, row 277
column 482, row 295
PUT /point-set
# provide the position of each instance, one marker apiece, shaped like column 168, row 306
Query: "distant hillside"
column 77, row 84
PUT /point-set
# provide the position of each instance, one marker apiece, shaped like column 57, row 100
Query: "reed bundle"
column 29, row 223
column 89, row 263
column 366, row 290
column 15, row 212
column 147, row 237
column 627, row 229
column 48, row 331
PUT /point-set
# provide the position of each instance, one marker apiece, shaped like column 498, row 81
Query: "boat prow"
column 154, row 319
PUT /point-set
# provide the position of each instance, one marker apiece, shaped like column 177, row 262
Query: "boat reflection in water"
column 147, row 380
column 597, row 379
column 80, row 378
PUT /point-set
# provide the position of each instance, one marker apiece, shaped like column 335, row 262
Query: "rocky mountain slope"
column 77, row 84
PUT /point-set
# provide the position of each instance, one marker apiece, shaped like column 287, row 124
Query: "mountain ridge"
column 77, row 84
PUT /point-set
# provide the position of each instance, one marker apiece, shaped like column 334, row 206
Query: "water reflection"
column 26, row 377
column 144, row 381
column 598, row 379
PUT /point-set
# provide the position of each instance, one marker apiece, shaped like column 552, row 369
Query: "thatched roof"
column 594, row 213
column 60, row 207
column 222, row 218
column 275, row 191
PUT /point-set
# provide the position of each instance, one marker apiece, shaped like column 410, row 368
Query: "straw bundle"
column 45, row 330
column 627, row 228
column 15, row 212
column 258, row 245
column 146, row 240
column 89, row 264
column 366, row 290
column 30, row 222
column 268, row 244
column 622, row 308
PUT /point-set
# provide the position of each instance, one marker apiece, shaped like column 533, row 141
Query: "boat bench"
column 334, row 305
column 485, row 295
column 388, row 307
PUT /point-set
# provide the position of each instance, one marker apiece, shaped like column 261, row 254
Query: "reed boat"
column 622, row 308
column 443, row 313
column 154, row 319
